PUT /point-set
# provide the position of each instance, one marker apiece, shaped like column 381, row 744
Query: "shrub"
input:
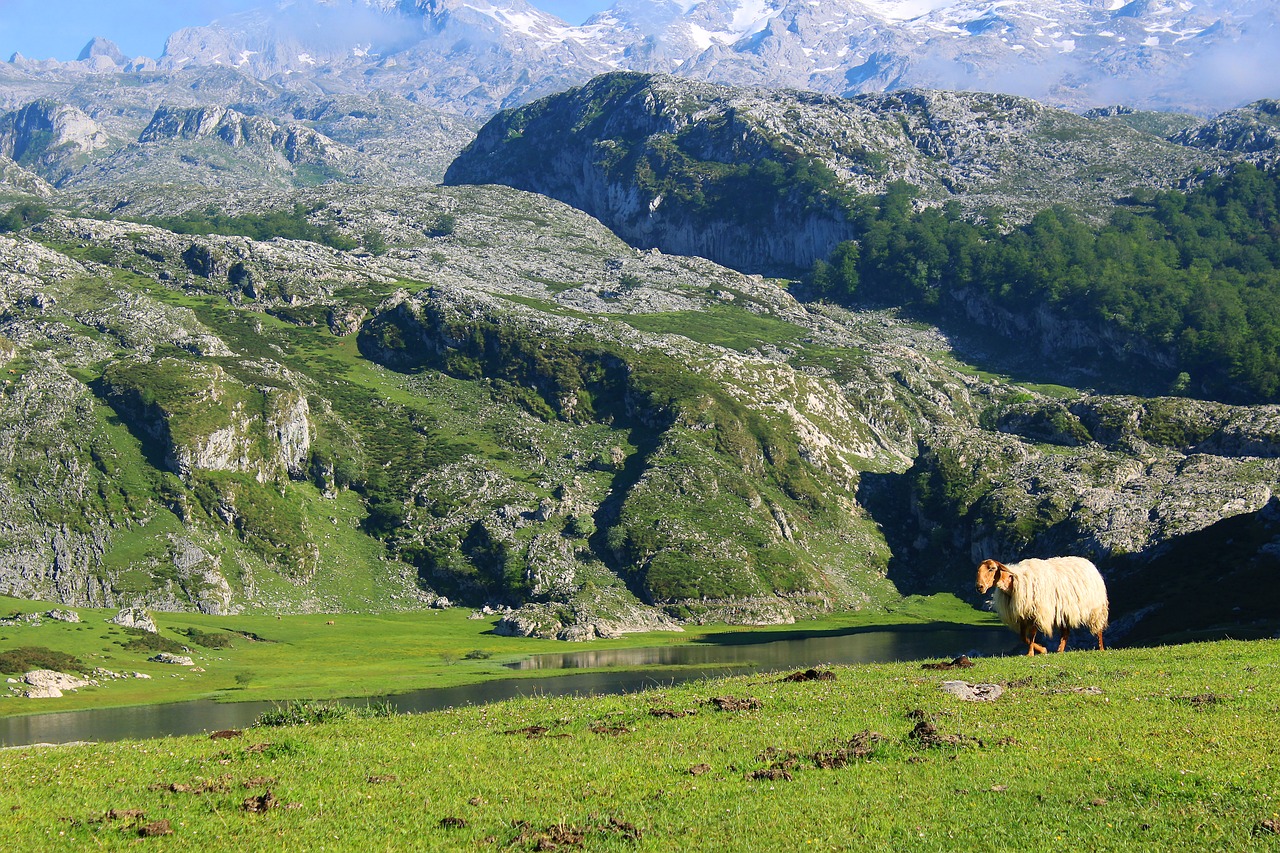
column 209, row 640
column 443, row 225
column 27, row 658
column 23, row 215
column 145, row 641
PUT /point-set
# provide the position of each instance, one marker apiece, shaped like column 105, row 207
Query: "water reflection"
column 836, row 648
column 685, row 662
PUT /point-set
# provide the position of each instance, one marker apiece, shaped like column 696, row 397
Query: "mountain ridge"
column 475, row 59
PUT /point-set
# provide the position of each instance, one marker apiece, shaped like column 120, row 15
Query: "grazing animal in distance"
column 1048, row 596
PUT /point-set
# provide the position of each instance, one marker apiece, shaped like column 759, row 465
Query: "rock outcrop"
column 50, row 684
column 654, row 156
column 136, row 618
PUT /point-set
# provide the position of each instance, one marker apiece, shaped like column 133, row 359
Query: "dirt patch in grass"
column 532, row 732
column 200, row 786
column 811, row 675
column 771, row 774
column 671, row 713
column 133, row 821
column 612, row 731
column 961, row 662
column 860, row 746
column 266, row 801
column 225, row 734
column 155, row 829
column 781, row 763
column 564, row 835
column 1201, row 700
column 926, row 734
column 736, row 703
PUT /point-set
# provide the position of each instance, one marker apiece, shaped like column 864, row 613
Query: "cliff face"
column 296, row 143
column 1122, row 480
column 50, row 138
column 759, row 181
column 204, row 419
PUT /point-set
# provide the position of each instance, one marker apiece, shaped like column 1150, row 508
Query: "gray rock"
column 48, row 683
column 967, row 692
column 135, row 617
column 63, row 615
column 170, row 658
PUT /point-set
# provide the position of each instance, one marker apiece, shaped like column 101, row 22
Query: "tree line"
column 1195, row 274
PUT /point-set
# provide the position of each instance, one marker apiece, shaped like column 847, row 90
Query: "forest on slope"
column 1193, row 278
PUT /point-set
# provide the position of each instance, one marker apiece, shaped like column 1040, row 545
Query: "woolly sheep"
column 1047, row 596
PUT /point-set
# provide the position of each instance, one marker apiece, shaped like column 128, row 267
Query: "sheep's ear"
column 1004, row 579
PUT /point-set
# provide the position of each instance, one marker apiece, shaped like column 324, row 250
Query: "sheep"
column 1047, row 595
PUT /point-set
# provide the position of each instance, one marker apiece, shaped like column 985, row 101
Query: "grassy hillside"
column 321, row 656
column 1164, row 748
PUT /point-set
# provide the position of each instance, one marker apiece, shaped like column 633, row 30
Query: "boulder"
column 967, row 692
column 49, row 683
column 135, row 617
column 176, row 660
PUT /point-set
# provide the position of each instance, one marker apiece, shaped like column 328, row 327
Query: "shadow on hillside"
column 1216, row 583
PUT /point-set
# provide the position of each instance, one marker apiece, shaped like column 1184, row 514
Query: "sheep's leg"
column 1101, row 647
column 1029, row 637
column 1066, row 632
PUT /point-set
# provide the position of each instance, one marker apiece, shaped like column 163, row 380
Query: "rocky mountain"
column 174, row 132
column 218, row 146
column 560, row 385
column 1201, row 57
column 1069, row 53
column 657, row 157
column 50, row 137
column 510, row 406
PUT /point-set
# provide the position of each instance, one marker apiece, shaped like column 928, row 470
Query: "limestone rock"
column 48, row 683
column 134, row 617
column 170, row 658
column 967, row 692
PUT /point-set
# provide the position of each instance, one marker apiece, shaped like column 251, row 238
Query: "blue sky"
column 41, row 29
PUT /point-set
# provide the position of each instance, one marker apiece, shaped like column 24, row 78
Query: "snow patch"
column 906, row 10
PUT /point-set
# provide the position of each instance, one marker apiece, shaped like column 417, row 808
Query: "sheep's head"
column 992, row 573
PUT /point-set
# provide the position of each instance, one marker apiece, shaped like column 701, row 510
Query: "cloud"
column 321, row 26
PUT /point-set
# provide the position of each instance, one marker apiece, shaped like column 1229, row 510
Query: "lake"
column 727, row 654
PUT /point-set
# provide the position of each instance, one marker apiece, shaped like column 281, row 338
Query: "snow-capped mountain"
column 473, row 56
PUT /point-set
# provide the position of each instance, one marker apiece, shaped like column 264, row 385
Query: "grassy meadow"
column 323, row 656
column 1132, row 749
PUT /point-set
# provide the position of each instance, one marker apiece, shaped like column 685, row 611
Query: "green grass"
column 357, row 655
column 1060, row 392
column 1140, row 749
column 723, row 325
